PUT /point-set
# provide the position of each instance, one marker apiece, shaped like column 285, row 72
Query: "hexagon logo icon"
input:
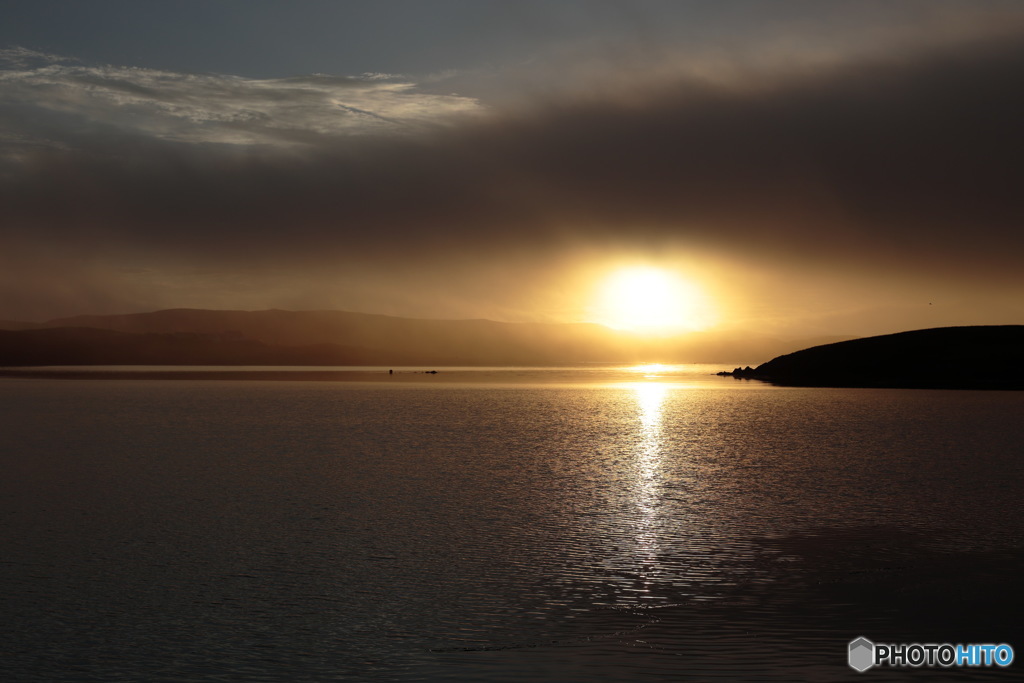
column 862, row 654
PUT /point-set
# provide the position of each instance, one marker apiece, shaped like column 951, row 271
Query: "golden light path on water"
column 648, row 475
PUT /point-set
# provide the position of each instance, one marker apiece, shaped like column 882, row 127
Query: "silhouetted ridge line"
column 92, row 346
column 276, row 337
column 976, row 357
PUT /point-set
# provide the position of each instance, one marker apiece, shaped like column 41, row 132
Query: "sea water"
column 498, row 524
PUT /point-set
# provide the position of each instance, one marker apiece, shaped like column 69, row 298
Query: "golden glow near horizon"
column 652, row 300
column 650, row 370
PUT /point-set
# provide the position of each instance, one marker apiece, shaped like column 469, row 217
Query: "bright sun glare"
column 652, row 300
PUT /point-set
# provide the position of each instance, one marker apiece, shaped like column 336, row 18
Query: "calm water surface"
column 500, row 524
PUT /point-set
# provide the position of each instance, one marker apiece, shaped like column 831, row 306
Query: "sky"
column 802, row 168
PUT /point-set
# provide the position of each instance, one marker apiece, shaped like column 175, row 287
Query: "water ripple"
column 222, row 531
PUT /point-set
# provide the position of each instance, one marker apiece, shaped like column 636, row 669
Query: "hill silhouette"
column 310, row 337
column 276, row 337
column 977, row 357
column 90, row 346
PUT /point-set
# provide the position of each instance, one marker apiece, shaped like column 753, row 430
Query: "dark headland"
column 977, row 357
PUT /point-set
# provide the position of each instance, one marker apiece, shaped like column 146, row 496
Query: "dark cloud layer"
column 910, row 162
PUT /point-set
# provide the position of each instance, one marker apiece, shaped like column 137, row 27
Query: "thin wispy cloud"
column 22, row 57
column 215, row 108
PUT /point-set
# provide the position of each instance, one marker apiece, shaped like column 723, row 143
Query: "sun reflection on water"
column 650, row 397
column 648, row 476
column 650, row 369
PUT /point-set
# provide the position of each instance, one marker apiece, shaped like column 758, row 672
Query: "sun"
column 652, row 300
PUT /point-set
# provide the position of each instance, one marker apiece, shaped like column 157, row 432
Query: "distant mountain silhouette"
column 978, row 357
column 394, row 340
column 90, row 346
column 277, row 337
column 18, row 325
